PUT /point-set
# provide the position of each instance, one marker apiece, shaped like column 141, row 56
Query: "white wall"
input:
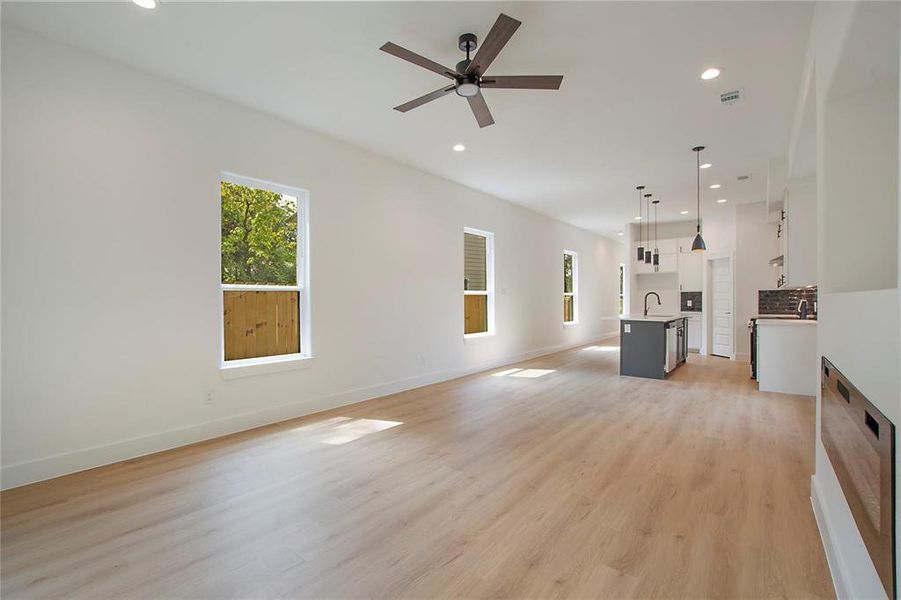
column 857, row 201
column 755, row 245
column 111, row 255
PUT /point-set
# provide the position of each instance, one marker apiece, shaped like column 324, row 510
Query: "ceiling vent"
column 733, row 97
column 744, row 177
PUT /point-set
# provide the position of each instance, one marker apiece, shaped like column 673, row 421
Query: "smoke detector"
column 732, row 97
column 744, row 177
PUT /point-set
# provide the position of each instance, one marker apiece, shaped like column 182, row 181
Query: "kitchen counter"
column 651, row 346
column 787, row 359
column 651, row 318
column 786, row 322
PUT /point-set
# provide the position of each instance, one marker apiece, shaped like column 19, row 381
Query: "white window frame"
column 489, row 284
column 575, row 292
column 266, row 364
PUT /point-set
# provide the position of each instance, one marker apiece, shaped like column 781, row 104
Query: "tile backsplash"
column 691, row 297
column 785, row 302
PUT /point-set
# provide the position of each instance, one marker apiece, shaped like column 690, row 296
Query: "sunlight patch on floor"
column 357, row 428
column 600, row 348
column 505, row 373
column 532, row 373
column 340, row 430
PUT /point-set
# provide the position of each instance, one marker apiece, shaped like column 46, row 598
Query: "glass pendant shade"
column 656, row 258
column 647, row 257
column 641, row 253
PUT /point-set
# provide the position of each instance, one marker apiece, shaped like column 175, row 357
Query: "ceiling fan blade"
column 501, row 32
column 523, row 82
column 480, row 110
column 416, row 59
column 423, row 99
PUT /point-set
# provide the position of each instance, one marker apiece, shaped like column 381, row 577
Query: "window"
column 478, row 282
column 622, row 282
column 265, row 300
column 570, row 287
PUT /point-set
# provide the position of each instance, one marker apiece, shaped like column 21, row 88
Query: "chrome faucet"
column 646, row 301
column 802, row 308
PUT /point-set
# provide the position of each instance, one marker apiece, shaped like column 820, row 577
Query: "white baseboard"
column 833, row 557
column 23, row 473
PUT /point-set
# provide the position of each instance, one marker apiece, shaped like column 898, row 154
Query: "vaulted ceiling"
column 630, row 109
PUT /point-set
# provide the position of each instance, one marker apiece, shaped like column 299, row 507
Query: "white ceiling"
column 631, row 106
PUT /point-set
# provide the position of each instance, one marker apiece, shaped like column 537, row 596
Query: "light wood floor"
column 578, row 483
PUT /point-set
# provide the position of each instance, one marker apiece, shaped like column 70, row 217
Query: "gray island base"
column 651, row 346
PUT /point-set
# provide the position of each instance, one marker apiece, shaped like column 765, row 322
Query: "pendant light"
column 647, row 251
column 698, row 244
column 655, row 202
column 640, row 247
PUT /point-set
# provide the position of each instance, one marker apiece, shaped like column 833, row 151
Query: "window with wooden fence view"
column 475, row 283
column 569, row 295
column 260, row 283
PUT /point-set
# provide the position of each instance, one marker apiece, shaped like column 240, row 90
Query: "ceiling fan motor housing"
column 467, row 42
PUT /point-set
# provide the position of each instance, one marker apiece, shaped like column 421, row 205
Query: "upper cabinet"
column 668, row 260
column 799, row 233
column 690, row 267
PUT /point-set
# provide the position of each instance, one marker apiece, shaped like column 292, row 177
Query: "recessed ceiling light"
column 457, row 147
column 619, row 233
column 721, row 201
column 145, row 3
column 638, row 218
column 706, row 166
column 711, row 73
column 683, row 212
column 715, row 186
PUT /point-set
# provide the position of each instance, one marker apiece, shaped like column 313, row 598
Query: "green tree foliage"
column 259, row 236
column 567, row 273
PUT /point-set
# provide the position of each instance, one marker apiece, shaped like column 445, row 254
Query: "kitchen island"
column 651, row 346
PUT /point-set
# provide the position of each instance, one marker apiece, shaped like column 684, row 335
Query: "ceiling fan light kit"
column 469, row 74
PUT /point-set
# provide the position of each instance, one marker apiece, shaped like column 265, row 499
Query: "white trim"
column 23, row 473
column 245, row 367
column 241, row 287
column 833, row 556
column 489, row 284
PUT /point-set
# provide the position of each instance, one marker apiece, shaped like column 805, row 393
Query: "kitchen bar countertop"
column 789, row 322
column 652, row 318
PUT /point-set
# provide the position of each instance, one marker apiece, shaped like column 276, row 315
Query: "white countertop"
column 788, row 322
column 652, row 318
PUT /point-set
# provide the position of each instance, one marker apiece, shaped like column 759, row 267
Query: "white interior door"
column 723, row 329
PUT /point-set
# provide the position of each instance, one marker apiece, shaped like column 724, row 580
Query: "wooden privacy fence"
column 475, row 313
column 569, row 311
column 261, row 323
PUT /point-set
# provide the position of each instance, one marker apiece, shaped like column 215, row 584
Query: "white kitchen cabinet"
column 667, row 246
column 669, row 263
column 787, row 360
column 691, row 271
column 799, row 246
column 694, row 332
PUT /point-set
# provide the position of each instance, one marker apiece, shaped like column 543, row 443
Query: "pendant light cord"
column 698, row 172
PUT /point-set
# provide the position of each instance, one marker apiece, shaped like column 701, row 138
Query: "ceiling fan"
column 469, row 75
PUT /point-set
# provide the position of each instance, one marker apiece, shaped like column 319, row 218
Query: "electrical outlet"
column 208, row 399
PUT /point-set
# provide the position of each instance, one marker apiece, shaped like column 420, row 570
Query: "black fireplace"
column 860, row 443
